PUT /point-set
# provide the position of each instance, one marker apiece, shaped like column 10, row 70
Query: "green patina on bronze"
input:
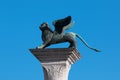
column 58, row 36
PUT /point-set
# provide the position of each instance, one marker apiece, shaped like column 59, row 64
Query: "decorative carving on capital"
column 56, row 71
column 57, row 62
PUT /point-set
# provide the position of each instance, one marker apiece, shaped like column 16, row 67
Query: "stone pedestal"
column 56, row 63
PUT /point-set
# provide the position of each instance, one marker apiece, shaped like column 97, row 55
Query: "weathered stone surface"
column 57, row 62
column 56, row 70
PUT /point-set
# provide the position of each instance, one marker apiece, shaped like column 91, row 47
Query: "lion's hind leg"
column 72, row 43
column 71, row 39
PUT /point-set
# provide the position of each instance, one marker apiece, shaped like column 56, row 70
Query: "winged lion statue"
column 58, row 36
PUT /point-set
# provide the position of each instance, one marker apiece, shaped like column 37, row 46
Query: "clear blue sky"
column 97, row 21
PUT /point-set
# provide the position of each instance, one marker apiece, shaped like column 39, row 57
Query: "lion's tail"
column 86, row 43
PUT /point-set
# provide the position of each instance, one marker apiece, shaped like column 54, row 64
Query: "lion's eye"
column 45, row 24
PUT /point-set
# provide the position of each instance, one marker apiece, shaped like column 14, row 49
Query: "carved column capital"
column 56, row 63
column 56, row 71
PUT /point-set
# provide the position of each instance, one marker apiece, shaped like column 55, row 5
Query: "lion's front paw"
column 39, row 47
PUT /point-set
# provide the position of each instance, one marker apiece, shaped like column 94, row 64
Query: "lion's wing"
column 62, row 24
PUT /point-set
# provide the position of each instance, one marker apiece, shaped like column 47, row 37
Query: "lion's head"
column 44, row 26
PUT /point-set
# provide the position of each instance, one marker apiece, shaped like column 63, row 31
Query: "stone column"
column 56, row 63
